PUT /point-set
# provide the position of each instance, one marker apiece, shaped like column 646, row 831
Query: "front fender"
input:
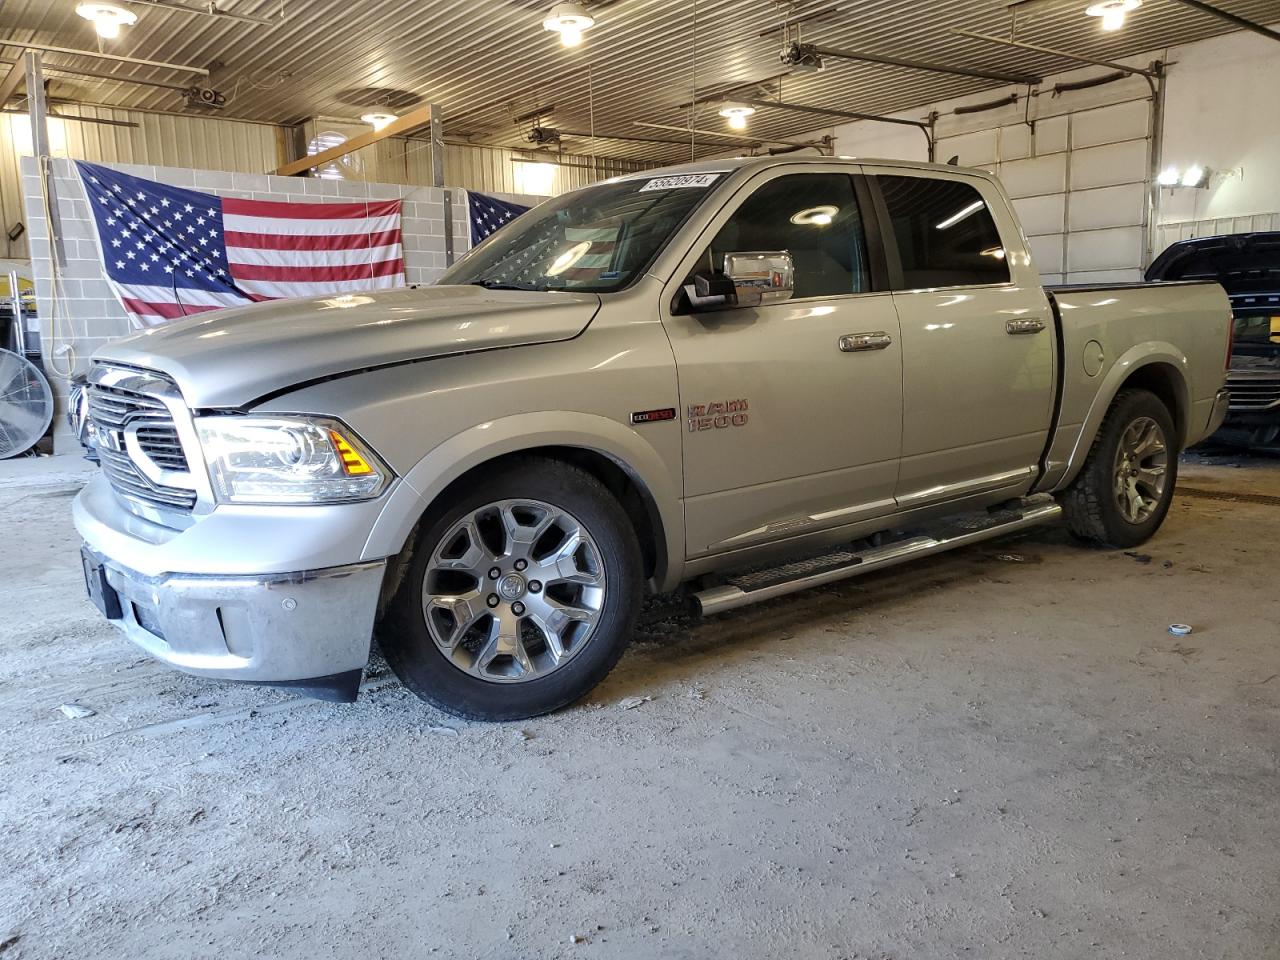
column 1113, row 381
column 528, row 431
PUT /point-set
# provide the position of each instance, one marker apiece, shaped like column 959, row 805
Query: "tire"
column 1099, row 504
column 543, row 645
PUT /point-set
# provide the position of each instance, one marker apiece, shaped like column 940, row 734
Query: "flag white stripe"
column 185, row 295
column 237, row 223
column 299, row 288
column 313, row 258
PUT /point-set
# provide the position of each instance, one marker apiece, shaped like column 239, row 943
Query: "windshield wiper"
column 501, row 285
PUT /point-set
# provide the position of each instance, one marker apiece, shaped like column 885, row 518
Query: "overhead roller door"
column 1079, row 182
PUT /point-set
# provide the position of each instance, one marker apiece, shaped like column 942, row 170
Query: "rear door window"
column 945, row 234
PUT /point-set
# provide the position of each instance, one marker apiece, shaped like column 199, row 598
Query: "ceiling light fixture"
column 107, row 18
column 1113, row 12
column 569, row 20
column 379, row 120
column 1169, row 177
column 736, row 114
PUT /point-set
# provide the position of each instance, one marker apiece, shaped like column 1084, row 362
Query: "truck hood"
column 232, row 357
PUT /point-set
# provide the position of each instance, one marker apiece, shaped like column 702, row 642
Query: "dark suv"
column 1248, row 266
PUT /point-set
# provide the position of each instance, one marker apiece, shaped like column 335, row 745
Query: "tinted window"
column 815, row 217
column 946, row 235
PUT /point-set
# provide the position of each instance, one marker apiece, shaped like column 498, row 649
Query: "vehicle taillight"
column 1231, row 341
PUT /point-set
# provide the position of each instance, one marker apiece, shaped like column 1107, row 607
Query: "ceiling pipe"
column 1239, row 21
column 46, row 48
column 920, row 125
column 74, row 119
column 1050, row 51
column 742, row 141
column 212, row 11
column 998, row 76
column 101, row 75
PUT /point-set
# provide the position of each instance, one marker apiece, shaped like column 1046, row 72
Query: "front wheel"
column 1124, row 490
column 520, row 595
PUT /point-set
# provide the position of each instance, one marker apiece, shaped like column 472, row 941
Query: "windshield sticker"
column 681, row 181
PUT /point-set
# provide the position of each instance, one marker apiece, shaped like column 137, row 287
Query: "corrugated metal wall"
column 210, row 143
column 205, row 143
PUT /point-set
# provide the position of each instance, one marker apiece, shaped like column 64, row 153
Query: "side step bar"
column 732, row 595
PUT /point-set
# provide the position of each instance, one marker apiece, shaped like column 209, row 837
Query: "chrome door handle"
column 1023, row 326
column 856, row 342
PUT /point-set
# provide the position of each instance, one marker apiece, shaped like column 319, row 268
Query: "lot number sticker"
column 684, row 180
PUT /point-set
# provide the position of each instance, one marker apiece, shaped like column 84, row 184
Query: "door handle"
column 1023, row 326
column 857, row 342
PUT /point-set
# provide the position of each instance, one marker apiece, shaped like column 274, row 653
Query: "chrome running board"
column 792, row 578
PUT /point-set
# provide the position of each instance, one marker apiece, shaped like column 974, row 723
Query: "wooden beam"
column 406, row 124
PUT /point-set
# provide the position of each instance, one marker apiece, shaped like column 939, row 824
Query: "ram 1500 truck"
column 740, row 378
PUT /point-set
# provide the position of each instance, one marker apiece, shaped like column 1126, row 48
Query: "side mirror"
column 761, row 277
column 750, row 279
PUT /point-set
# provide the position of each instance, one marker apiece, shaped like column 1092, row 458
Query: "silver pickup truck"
column 737, row 378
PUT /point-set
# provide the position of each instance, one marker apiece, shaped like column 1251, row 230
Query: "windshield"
column 597, row 239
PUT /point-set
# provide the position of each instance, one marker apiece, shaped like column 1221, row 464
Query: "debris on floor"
column 1180, row 629
column 630, row 703
column 1139, row 557
column 74, row 711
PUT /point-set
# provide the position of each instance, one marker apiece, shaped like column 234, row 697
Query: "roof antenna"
column 954, row 161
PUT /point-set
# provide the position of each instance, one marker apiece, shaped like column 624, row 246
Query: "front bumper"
column 310, row 629
column 194, row 600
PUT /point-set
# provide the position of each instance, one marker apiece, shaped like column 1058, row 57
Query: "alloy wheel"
column 1142, row 462
column 514, row 590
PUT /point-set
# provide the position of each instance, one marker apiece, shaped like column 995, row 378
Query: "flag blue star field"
column 172, row 252
column 489, row 213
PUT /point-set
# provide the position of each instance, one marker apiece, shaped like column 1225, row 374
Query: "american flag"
column 171, row 252
column 489, row 213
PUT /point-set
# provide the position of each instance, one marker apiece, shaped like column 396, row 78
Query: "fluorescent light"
column 107, row 18
column 379, row 120
column 1113, row 12
column 570, row 20
column 1169, row 177
column 959, row 215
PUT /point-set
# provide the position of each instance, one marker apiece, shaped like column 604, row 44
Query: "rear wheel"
column 1123, row 493
column 520, row 595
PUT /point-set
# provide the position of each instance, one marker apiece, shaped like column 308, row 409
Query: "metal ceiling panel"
column 486, row 61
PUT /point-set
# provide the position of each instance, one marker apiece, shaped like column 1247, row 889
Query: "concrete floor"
column 996, row 753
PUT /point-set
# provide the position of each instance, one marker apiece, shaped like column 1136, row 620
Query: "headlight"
column 288, row 460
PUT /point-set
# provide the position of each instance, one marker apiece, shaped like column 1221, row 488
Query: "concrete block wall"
column 78, row 312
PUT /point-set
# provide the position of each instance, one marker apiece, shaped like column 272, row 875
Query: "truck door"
column 977, row 338
column 790, row 426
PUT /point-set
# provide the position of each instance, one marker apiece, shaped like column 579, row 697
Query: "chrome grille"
column 1253, row 392
column 115, row 411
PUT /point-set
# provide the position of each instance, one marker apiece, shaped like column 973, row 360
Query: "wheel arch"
column 625, row 463
column 1156, row 367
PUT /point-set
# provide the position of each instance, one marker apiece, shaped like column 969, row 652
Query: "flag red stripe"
column 309, row 211
column 361, row 271
column 170, row 311
column 297, row 241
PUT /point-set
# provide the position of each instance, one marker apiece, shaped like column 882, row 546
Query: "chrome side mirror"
column 761, row 277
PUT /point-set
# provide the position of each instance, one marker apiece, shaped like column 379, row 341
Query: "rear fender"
column 1121, row 374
